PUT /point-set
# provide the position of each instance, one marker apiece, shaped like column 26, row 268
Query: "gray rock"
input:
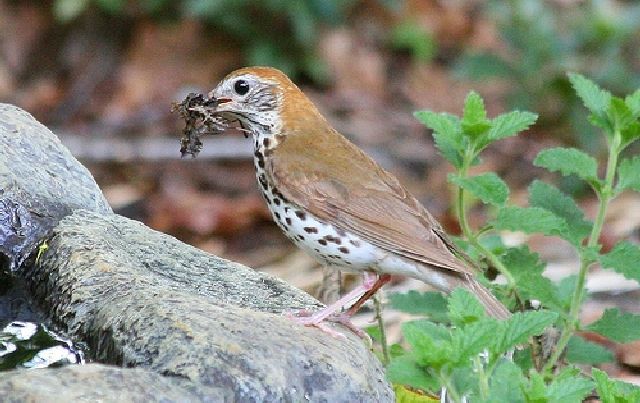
column 141, row 298
column 40, row 182
column 94, row 383
column 197, row 327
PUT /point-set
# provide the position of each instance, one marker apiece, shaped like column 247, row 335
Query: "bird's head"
column 262, row 99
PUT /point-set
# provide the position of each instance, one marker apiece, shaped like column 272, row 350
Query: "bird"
column 334, row 201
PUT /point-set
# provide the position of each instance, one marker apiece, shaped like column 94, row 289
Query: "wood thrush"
column 334, row 201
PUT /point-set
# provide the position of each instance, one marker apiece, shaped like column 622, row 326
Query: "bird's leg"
column 372, row 289
column 371, row 283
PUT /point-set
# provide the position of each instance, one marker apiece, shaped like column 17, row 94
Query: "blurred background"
column 102, row 75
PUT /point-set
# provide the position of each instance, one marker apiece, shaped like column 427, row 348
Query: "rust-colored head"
column 264, row 99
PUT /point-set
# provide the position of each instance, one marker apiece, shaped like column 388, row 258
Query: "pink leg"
column 371, row 283
column 317, row 317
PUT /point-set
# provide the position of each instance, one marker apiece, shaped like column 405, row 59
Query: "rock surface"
column 93, row 383
column 142, row 298
column 211, row 328
column 40, row 182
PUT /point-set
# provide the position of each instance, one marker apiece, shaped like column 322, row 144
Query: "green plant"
column 543, row 39
column 457, row 346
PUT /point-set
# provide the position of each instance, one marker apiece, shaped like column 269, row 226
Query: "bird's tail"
column 492, row 306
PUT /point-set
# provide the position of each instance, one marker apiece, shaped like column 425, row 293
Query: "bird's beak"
column 223, row 100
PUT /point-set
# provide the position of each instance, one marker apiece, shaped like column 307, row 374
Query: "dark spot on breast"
column 286, row 209
column 288, row 219
column 322, row 241
column 301, row 215
column 257, row 145
column 263, row 182
column 333, row 239
column 277, row 215
column 265, row 142
column 311, row 230
column 317, row 250
column 261, row 163
column 301, row 237
column 354, row 243
column 343, row 249
column 276, row 201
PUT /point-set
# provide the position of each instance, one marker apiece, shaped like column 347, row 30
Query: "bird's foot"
column 321, row 321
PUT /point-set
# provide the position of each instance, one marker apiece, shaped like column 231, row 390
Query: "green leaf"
column 594, row 98
column 568, row 161
column 488, row 187
column 447, row 134
column 619, row 114
column 624, row 258
column 472, row 339
column 511, row 123
column 581, row 351
column 464, row 307
column 629, row 174
column 527, row 268
column 613, row 391
column 569, row 386
column 430, row 303
column 633, row 103
column 505, row 383
column 530, row 220
column 617, row 326
column 519, row 327
column 431, row 343
column 406, row 371
column 474, row 116
column 552, row 199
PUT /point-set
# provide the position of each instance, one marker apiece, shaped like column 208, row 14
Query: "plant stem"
column 383, row 337
column 482, row 377
column 604, row 195
column 466, row 228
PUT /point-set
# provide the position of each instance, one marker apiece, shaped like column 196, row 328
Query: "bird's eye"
column 241, row 87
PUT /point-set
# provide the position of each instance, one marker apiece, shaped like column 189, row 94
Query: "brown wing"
column 338, row 183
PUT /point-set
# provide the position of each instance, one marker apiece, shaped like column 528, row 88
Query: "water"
column 32, row 345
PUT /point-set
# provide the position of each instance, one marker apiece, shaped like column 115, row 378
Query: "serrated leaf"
column 505, row 383
column 619, row 114
column 581, row 351
column 464, row 307
column 443, row 123
column 618, row 326
column 511, row 123
column 474, row 116
column 594, row 98
column 624, row 258
column 431, row 343
column 630, row 134
column 613, row 391
column 530, row 220
column 447, row 134
column 406, row 371
column 552, row 199
column 633, row 103
column 488, row 187
column 519, row 327
column 569, row 386
column 430, row 303
column 569, row 161
column 527, row 268
column 629, row 174
column 472, row 339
